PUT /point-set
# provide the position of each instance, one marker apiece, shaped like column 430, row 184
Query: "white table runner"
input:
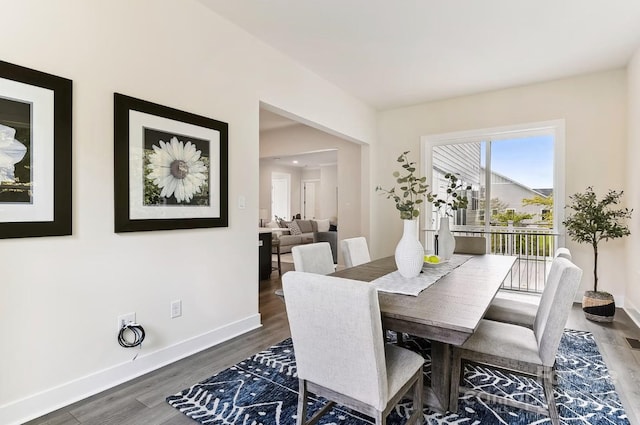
column 395, row 283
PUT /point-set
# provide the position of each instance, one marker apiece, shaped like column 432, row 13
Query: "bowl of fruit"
column 433, row 261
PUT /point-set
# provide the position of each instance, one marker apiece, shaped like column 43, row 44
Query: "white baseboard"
column 52, row 399
column 633, row 312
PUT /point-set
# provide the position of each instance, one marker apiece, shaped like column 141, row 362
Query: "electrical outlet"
column 125, row 319
column 176, row 309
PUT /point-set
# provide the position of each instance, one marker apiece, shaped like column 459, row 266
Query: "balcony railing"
column 534, row 248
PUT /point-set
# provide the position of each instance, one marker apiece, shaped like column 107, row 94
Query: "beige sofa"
column 307, row 231
column 306, row 227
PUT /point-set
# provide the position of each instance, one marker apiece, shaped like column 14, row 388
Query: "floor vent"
column 634, row 343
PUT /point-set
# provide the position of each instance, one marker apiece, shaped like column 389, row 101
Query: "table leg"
column 437, row 396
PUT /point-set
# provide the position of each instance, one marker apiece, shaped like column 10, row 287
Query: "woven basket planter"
column 598, row 306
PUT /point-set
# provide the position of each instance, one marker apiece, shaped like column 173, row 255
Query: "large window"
column 515, row 174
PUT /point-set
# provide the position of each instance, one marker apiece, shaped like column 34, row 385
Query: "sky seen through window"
column 528, row 160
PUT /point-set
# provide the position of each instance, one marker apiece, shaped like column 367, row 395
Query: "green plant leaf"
column 595, row 220
column 413, row 191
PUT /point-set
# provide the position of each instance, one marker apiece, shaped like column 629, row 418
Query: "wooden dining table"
column 446, row 313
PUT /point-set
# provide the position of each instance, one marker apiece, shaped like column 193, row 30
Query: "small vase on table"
column 409, row 251
column 446, row 241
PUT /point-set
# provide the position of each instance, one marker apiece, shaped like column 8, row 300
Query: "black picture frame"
column 146, row 135
column 36, row 115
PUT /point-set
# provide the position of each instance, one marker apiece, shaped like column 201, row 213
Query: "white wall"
column 632, row 190
column 595, row 110
column 60, row 297
column 313, row 174
column 327, row 199
column 350, row 177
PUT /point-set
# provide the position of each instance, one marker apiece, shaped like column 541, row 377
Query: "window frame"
column 556, row 128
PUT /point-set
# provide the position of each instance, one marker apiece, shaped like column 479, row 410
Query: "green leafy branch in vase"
column 455, row 198
column 411, row 192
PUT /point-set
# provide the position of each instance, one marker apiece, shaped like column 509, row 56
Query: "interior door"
column 309, row 200
column 280, row 200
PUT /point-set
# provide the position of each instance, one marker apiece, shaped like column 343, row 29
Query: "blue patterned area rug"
column 262, row 390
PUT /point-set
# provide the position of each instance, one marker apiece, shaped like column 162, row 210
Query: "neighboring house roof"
column 545, row 192
column 542, row 192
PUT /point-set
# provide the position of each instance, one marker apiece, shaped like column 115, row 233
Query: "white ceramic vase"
column 409, row 251
column 446, row 241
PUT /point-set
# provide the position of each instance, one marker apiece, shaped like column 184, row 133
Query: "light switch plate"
column 176, row 309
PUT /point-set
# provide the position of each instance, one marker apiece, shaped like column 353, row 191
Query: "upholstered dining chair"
column 523, row 351
column 349, row 365
column 520, row 312
column 470, row 245
column 313, row 258
column 563, row 252
column 355, row 251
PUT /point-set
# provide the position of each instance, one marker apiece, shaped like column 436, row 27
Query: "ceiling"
column 393, row 53
column 309, row 160
column 272, row 121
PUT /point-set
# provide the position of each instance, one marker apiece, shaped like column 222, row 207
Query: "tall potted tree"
column 596, row 220
column 410, row 195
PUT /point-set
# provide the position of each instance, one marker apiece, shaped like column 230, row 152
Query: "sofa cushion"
column 290, row 240
column 305, row 226
column 322, row 225
column 283, row 223
column 294, row 228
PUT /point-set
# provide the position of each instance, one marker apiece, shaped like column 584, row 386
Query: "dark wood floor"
column 142, row 401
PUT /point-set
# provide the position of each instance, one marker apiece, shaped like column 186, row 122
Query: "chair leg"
column 380, row 418
column 302, row 406
column 276, row 246
column 547, row 383
column 279, row 265
column 302, row 402
column 418, row 402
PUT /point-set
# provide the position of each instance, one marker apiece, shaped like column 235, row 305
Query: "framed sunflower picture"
column 171, row 168
column 35, row 153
